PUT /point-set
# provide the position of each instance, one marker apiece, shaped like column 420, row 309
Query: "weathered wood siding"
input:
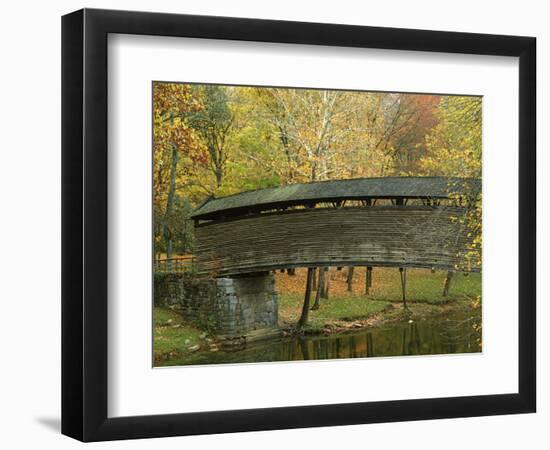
column 414, row 236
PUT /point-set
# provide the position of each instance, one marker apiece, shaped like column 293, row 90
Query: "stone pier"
column 222, row 306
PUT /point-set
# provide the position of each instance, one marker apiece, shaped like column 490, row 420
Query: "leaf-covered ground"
column 342, row 309
column 422, row 284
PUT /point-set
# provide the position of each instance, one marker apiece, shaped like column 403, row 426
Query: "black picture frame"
column 84, row 224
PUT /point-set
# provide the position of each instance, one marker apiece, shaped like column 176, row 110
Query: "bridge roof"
column 334, row 190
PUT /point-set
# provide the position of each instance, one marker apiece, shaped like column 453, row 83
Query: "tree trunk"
column 216, row 156
column 320, row 285
column 305, row 308
column 447, row 286
column 219, row 176
column 166, row 232
column 351, row 269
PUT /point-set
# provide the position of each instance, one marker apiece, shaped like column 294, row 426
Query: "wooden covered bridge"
column 385, row 222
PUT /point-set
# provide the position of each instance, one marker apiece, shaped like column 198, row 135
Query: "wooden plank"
column 404, row 236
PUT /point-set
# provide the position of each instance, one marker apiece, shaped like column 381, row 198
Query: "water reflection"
column 454, row 334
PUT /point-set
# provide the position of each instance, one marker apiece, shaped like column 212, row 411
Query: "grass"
column 426, row 287
column 172, row 336
column 423, row 292
column 338, row 308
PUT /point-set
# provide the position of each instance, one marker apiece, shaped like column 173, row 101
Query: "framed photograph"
column 273, row 224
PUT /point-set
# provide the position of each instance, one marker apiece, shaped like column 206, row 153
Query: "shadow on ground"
column 53, row 423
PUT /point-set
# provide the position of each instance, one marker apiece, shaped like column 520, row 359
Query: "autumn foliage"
column 219, row 140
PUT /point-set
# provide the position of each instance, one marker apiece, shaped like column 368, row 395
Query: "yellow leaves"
column 286, row 136
column 455, row 149
column 454, row 145
column 173, row 104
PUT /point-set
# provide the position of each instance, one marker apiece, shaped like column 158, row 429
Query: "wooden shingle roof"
column 335, row 190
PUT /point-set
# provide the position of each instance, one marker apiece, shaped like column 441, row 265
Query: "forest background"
column 214, row 140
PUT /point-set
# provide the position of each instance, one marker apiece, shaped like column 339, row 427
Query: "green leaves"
column 231, row 139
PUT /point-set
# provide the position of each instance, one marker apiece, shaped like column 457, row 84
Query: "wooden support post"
column 305, row 308
column 327, row 283
column 320, row 285
column 447, row 286
column 314, row 279
column 351, row 270
column 403, row 275
column 368, row 280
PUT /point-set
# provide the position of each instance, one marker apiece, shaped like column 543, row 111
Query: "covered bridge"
column 392, row 221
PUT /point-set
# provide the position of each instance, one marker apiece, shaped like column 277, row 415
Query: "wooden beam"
column 305, row 308
column 403, row 276
column 412, row 236
column 447, row 285
column 368, row 280
column 351, row 270
column 320, row 288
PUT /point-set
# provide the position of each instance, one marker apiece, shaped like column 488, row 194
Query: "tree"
column 417, row 116
column 310, row 124
column 303, row 135
column 454, row 150
column 389, row 131
column 214, row 124
column 454, row 145
column 174, row 141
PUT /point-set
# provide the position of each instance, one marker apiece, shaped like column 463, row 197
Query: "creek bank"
column 177, row 338
column 392, row 313
column 202, row 342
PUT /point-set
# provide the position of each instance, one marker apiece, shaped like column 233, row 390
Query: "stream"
column 447, row 334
